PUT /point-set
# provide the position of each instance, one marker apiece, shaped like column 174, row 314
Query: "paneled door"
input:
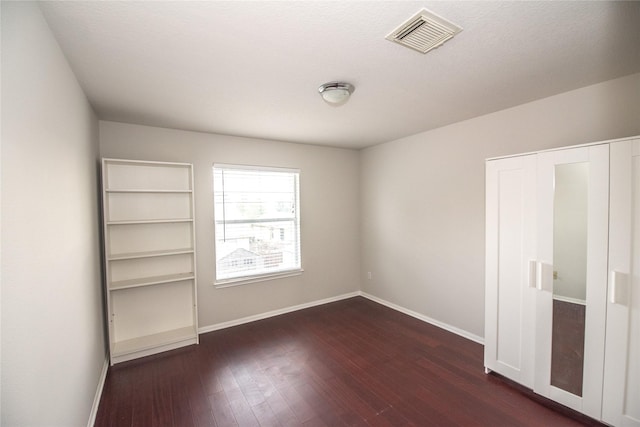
column 511, row 247
column 621, row 392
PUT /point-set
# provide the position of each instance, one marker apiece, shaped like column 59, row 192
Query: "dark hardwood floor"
column 353, row 362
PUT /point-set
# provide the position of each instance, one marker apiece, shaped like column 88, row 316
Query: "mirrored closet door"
column 573, row 194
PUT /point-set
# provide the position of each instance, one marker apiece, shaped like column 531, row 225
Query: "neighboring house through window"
column 257, row 222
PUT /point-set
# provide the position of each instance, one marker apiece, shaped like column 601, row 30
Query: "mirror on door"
column 570, row 214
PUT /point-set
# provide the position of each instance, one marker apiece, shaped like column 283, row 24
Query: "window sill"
column 227, row 283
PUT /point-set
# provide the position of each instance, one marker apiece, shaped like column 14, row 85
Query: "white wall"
column 53, row 348
column 329, row 189
column 423, row 196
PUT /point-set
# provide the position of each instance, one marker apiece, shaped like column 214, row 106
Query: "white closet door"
column 511, row 246
column 573, row 199
column 621, row 396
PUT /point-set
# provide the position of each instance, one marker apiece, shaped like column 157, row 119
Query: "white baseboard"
column 426, row 319
column 98, row 395
column 273, row 313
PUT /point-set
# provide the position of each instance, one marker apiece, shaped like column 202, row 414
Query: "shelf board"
column 108, row 190
column 148, row 281
column 149, row 254
column 156, row 340
column 150, row 221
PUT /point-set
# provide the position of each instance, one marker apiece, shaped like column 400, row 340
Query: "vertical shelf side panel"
column 107, row 250
column 193, row 258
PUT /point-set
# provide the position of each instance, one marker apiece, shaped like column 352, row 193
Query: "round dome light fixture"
column 336, row 93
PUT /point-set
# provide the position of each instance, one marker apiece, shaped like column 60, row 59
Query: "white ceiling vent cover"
column 424, row 31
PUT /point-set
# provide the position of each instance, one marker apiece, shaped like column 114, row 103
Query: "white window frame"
column 258, row 277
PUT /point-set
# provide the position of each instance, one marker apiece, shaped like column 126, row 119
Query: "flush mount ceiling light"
column 336, row 93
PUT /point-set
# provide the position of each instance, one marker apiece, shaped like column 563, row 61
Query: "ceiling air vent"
column 424, row 31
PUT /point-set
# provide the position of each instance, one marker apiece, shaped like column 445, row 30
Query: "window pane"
column 256, row 221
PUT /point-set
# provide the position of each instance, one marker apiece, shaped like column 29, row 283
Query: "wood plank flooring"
column 348, row 363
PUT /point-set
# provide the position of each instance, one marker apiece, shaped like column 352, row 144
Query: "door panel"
column 511, row 241
column 573, row 196
column 621, row 391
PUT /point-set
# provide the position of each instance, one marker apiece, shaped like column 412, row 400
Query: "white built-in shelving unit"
column 150, row 264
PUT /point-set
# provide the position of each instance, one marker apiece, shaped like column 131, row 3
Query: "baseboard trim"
column 266, row 315
column 424, row 318
column 98, row 395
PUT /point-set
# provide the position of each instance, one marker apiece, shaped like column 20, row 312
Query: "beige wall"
column 423, row 196
column 329, row 183
column 53, row 349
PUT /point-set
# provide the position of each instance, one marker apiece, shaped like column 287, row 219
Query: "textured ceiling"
column 253, row 68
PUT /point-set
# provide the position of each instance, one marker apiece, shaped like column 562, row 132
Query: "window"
column 257, row 222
